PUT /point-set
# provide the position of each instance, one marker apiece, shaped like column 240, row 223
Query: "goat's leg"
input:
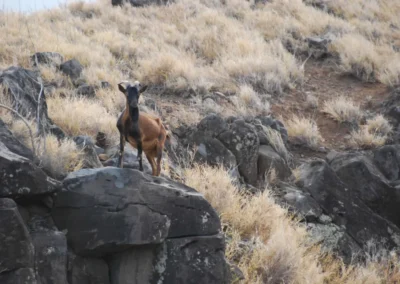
column 152, row 164
column 140, row 152
column 121, row 150
column 159, row 158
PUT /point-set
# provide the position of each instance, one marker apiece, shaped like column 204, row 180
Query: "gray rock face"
column 20, row 177
column 86, row 90
column 72, row 68
column 213, row 152
column 19, row 276
column 345, row 207
column 129, row 160
column 16, row 250
column 268, row 160
column 50, row 256
column 90, row 157
column 367, row 184
column 181, row 261
column 12, row 143
column 387, row 160
column 47, row 58
column 83, row 270
column 24, row 89
column 242, row 140
column 333, row 239
column 124, row 208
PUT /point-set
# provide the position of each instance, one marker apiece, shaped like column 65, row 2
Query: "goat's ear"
column 143, row 89
column 122, row 88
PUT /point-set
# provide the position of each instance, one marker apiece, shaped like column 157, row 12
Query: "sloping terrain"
column 256, row 95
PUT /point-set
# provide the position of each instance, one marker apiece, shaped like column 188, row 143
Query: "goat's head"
column 132, row 92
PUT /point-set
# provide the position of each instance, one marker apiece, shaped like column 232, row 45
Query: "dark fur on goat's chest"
column 129, row 124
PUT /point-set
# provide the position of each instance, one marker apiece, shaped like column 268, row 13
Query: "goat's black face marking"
column 133, row 95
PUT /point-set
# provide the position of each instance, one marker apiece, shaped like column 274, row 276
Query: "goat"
column 143, row 131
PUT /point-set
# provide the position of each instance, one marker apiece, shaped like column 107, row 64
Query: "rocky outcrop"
column 142, row 209
column 47, row 58
column 72, row 68
column 20, row 177
column 235, row 144
column 23, row 89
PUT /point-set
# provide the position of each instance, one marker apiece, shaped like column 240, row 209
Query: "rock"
column 268, row 121
column 268, row 159
column 125, row 208
column 212, row 125
column 19, row 276
column 24, row 89
column 86, row 90
column 180, row 261
column 129, row 160
column 72, row 68
column 47, row 58
column 387, row 160
column 21, row 178
column 365, row 181
column 12, row 143
column 16, row 250
column 105, row 85
column 140, row 3
column 83, row 270
column 50, row 256
column 90, row 156
column 242, row 140
column 344, row 206
column 101, row 140
column 333, row 239
column 302, row 204
column 319, row 44
column 213, row 152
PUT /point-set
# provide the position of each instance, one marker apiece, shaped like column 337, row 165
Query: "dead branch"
column 26, row 123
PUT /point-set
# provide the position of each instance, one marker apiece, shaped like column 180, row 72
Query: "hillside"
column 315, row 82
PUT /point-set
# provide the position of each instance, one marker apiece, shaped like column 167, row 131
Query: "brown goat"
column 143, row 131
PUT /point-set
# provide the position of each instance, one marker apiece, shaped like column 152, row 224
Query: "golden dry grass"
column 343, row 109
column 303, row 130
column 373, row 134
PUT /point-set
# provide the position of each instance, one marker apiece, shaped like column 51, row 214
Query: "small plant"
column 343, row 109
column 373, row 134
column 304, row 130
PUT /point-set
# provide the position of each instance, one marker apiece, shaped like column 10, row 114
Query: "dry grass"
column 303, row 130
column 81, row 116
column 343, row 109
column 373, row 134
column 276, row 251
column 269, row 247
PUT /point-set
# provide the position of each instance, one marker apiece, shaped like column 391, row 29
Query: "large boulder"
column 268, row 161
column 23, row 90
column 47, row 58
column 387, row 160
column 90, row 157
column 188, row 260
column 344, row 206
column 242, row 140
column 125, row 208
column 21, row 178
column 12, row 143
column 213, row 152
column 16, row 249
column 72, row 68
column 367, row 184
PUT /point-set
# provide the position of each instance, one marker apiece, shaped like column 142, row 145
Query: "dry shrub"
column 276, row 251
column 59, row 157
column 373, row 134
column 343, row 109
column 303, row 130
column 276, row 141
column 248, row 101
column 81, row 116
